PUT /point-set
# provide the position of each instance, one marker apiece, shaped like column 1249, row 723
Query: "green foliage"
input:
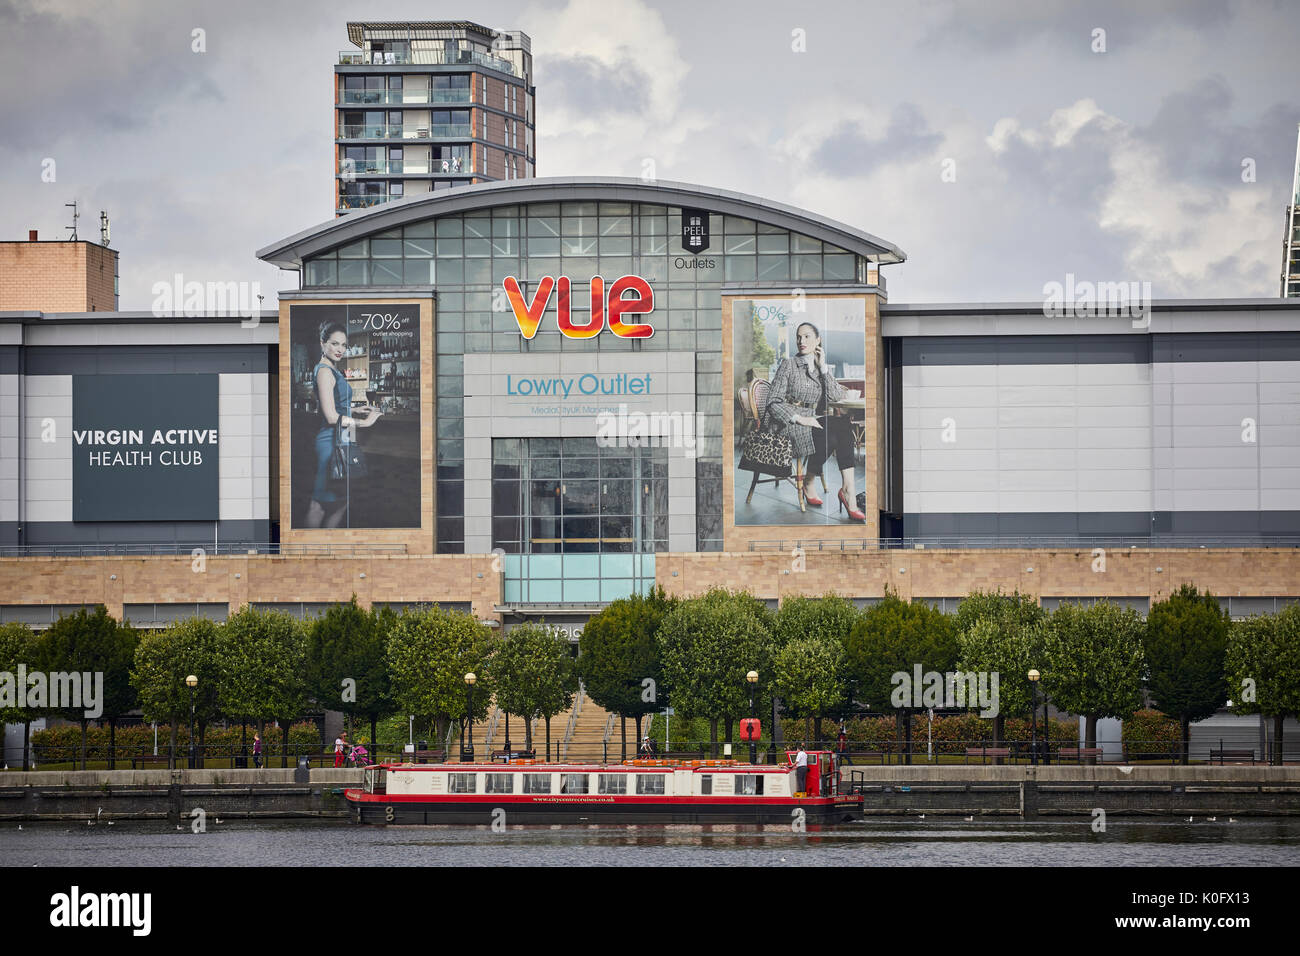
column 348, row 643
column 263, row 658
column 1265, row 651
column 895, row 636
column 1185, row 643
column 18, row 646
column 708, row 644
column 809, row 675
column 429, row 654
column 1092, row 660
column 618, row 653
column 829, row 616
column 163, row 659
column 533, row 672
column 93, row 642
column 1149, row 733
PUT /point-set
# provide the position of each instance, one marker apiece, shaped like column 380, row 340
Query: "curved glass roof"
column 289, row 253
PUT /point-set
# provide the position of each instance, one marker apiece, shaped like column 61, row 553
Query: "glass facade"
column 466, row 256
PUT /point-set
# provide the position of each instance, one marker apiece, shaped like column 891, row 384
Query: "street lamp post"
column 1033, row 718
column 752, row 678
column 191, row 682
column 467, row 752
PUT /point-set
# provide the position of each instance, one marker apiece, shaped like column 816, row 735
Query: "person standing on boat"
column 801, row 771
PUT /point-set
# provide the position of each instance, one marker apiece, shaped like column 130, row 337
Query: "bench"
column 508, row 755
column 1079, row 753
column 1233, row 755
column 429, row 756
column 146, row 759
column 987, row 752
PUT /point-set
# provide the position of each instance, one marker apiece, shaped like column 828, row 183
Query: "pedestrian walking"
column 257, row 750
column 340, row 749
column 842, row 745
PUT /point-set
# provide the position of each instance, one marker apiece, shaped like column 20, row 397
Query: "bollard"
column 302, row 773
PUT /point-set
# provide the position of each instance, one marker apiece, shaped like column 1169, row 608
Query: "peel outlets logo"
column 617, row 305
column 75, row 909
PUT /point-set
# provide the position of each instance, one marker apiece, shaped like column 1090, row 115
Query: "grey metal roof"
column 289, row 253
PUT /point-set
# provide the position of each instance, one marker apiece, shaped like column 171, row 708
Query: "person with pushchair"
column 358, row 756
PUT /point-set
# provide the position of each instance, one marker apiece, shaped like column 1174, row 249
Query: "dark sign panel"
column 145, row 448
column 360, row 363
column 695, row 230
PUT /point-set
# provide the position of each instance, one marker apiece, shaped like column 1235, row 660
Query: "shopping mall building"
column 552, row 393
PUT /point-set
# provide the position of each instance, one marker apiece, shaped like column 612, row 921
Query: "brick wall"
column 57, row 277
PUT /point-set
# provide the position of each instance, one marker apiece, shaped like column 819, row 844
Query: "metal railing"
column 1041, row 542
column 404, row 167
column 406, row 97
column 398, row 131
column 188, row 550
column 422, row 57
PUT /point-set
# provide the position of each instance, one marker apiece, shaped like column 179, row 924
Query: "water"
column 908, row 842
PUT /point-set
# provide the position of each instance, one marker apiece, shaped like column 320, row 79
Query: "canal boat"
column 632, row 792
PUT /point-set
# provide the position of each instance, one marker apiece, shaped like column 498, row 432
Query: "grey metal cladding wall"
column 1235, row 524
column 1227, row 347
column 1027, row 350
column 9, row 359
column 190, row 533
column 146, row 359
column 1138, row 348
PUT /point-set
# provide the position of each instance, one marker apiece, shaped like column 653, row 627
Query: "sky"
column 1001, row 145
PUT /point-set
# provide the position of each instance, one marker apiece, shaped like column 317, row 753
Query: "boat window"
column 537, row 783
column 749, row 784
column 573, row 783
column 461, row 782
column 650, row 782
column 611, row 783
column 706, row 784
column 499, row 783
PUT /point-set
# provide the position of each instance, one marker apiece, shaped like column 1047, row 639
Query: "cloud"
column 849, row 151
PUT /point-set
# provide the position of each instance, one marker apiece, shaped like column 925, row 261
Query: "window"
column 749, row 784
column 706, row 784
column 537, row 783
column 499, row 783
column 611, row 783
column 649, row 783
column 573, row 783
column 462, row 783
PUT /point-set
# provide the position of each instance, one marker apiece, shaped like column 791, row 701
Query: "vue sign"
column 529, row 314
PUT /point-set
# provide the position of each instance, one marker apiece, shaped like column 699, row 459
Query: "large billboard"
column 799, row 374
column 145, row 448
column 355, row 416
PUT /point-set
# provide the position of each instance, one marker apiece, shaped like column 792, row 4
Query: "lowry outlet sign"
column 629, row 295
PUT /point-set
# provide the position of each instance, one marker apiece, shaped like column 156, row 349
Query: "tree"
column 1263, row 669
column 808, row 674
column 1093, row 662
column 828, row 617
column 350, row 644
column 429, row 653
column 1001, row 634
column 618, row 657
column 708, row 644
column 892, row 638
column 95, row 646
column 19, row 656
column 1185, row 643
column 263, row 663
column 163, row 659
column 533, row 673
